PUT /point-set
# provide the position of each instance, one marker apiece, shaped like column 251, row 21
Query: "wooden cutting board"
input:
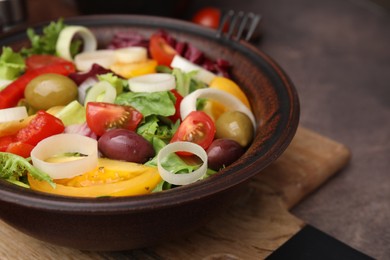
column 256, row 225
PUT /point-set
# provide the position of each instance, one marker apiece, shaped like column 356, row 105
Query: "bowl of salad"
column 123, row 131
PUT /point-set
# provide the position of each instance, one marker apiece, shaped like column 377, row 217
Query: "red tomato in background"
column 160, row 50
column 198, row 128
column 41, row 126
column 37, row 61
column 208, row 16
column 102, row 117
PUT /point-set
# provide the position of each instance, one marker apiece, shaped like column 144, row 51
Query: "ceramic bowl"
column 108, row 224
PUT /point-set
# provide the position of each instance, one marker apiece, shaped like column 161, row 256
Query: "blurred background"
column 19, row 12
column 337, row 54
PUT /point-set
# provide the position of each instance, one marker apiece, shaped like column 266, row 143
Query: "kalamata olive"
column 49, row 90
column 235, row 125
column 223, row 152
column 125, row 145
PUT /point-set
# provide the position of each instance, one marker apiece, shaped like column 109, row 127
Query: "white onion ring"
column 182, row 178
column 152, row 82
column 187, row 66
column 131, row 54
column 13, row 113
column 66, row 36
column 84, row 86
column 65, row 143
column 85, row 60
column 188, row 104
column 101, row 88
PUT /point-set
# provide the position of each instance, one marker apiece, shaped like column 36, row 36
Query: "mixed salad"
column 141, row 116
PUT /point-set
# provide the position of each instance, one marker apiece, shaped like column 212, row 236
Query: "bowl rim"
column 13, row 194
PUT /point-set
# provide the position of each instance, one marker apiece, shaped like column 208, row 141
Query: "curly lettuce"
column 46, row 42
column 14, row 167
column 11, row 64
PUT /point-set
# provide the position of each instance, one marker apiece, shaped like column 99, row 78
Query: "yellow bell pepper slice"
column 214, row 109
column 110, row 178
column 129, row 70
column 231, row 87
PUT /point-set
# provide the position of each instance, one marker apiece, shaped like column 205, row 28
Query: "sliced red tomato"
column 20, row 148
column 10, row 95
column 179, row 98
column 5, row 141
column 41, row 126
column 198, row 128
column 208, row 16
column 103, row 116
column 160, row 50
column 37, row 61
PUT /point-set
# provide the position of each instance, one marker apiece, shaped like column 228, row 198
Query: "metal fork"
column 238, row 23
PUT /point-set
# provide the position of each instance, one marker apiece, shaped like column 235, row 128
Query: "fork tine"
column 237, row 22
column 242, row 26
column 236, row 18
column 255, row 21
column 224, row 21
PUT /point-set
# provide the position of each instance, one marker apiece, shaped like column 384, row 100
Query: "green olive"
column 49, row 90
column 236, row 126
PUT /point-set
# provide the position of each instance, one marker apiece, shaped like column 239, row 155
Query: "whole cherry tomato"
column 208, row 16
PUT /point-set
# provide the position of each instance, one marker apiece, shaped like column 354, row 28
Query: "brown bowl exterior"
column 132, row 222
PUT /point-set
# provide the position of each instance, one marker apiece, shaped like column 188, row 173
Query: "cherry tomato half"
column 208, row 16
column 104, row 116
column 198, row 128
column 160, row 50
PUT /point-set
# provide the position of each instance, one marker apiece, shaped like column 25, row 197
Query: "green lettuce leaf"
column 11, row 64
column 155, row 103
column 118, row 83
column 153, row 126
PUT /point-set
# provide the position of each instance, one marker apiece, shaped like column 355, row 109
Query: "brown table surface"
column 337, row 53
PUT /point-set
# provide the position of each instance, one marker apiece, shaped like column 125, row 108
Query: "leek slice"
column 182, row 178
column 66, row 36
column 152, row 82
column 232, row 103
column 61, row 144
